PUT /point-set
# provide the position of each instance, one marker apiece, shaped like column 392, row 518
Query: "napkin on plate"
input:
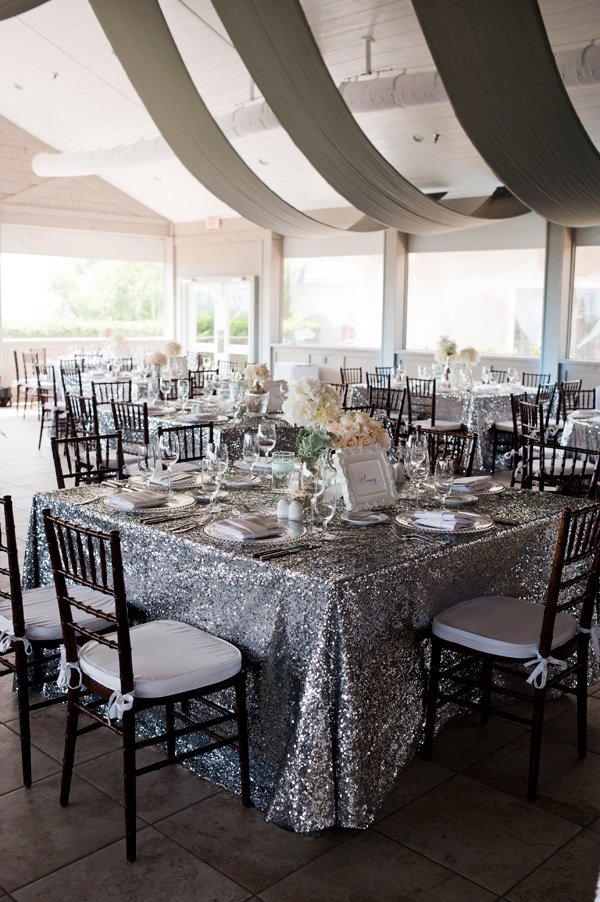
column 472, row 484
column 156, row 410
column 263, row 463
column 199, row 417
column 131, row 501
column 243, row 529
column 160, row 477
column 444, row 520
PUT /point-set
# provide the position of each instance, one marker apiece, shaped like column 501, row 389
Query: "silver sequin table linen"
column 478, row 409
column 582, row 431
column 332, row 637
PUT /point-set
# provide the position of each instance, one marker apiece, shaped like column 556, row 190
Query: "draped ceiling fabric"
column 10, row 8
column 497, row 66
column 275, row 42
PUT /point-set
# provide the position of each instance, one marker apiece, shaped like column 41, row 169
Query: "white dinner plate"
column 363, row 518
column 173, row 501
column 494, row 489
column 288, row 531
column 262, row 465
column 202, row 419
column 457, row 498
column 177, row 481
column 480, row 524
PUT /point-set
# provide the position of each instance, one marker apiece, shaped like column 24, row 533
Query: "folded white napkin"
column 241, row 482
column 243, row 529
column 206, row 417
column 444, row 520
column 156, row 410
column 591, row 415
column 137, row 500
column 161, row 477
column 472, row 483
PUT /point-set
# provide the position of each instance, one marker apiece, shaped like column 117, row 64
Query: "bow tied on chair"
column 539, row 674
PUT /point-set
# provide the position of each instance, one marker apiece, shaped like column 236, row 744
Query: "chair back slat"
column 190, row 438
column 9, row 548
column 351, row 375
column 131, row 420
column 105, row 392
column 534, row 380
column 567, row 470
column 79, row 555
column 420, row 394
column 499, row 376
column 82, row 413
column 86, row 459
column 451, row 445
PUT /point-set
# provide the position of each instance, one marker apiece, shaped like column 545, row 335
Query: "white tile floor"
column 455, row 829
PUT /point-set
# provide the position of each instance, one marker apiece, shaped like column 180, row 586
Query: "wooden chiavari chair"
column 82, row 415
column 506, row 634
column 376, row 380
column 567, row 470
column 131, row 420
column 198, row 381
column 85, row 459
column 191, row 439
column 341, row 390
column 105, row 392
column 51, row 408
column 499, row 376
column 534, row 380
column 421, row 398
column 351, row 375
column 29, row 629
column 70, row 374
column 384, row 370
column 20, row 383
column 452, row 445
column 506, row 432
column 159, row 664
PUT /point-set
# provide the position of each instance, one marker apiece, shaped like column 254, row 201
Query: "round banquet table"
column 582, row 429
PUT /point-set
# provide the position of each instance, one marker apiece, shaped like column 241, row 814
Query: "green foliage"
column 294, row 326
column 70, row 328
column 238, row 325
column 310, row 442
column 205, row 326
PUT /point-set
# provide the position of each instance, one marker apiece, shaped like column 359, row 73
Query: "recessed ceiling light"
column 18, row 87
column 157, row 178
column 263, row 162
column 418, row 138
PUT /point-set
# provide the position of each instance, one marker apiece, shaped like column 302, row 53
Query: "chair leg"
column 582, row 673
column 170, row 724
column 70, row 741
column 434, row 675
column 41, row 428
column 242, row 723
column 23, row 697
column 494, row 448
column 129, row 783
column 539, row 699
column 486, row 691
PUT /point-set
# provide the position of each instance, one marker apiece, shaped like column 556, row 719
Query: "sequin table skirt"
column 333, row 638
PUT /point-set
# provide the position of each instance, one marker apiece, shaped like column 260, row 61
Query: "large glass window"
column 584, row 342
column 333, row 301
column 490, row 300
column 46, row 297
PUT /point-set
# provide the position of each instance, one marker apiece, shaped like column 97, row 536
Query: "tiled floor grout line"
column 543, row 863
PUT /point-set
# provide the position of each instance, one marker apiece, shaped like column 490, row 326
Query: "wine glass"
column 266, row 436
column 183, row 392
column 324, row 499
column 250, row 451
column 486, row 374
column 153, row 392
column 165, row 388
column 423, row 371
column 416, row 462
column 443, row 477
column 513, row 375
column 168, row 453
column 145, row 461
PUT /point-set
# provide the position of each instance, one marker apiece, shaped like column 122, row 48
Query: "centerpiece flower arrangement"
column 315, row 407
column 470, row 356
column 173, row 349
column 446, row 350
column 255, row 375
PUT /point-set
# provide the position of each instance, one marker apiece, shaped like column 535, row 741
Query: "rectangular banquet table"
column 332, row 636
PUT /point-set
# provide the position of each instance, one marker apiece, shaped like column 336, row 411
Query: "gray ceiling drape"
column 10, row 8
column 143, row 43
column 277, row 45
column 497, row 66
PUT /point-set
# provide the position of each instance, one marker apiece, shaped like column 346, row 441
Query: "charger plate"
column 288, row 532
column 173, row 501
column 482, row 524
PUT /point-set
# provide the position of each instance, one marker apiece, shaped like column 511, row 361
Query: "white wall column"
column 395, row 255
column 270, row 298
column 557, row 288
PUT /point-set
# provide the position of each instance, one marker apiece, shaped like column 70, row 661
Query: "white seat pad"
column 42, row 617
column 504, row 426
column 168, row 658
column 501, row 626
column 442, row 425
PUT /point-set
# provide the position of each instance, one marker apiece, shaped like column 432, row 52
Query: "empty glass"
column 513, row 374
column 165, row 388
column 183, row 392
column 325, row 498
column 416, row 462
column 486, row 374
column 267, row 436
column 443, row 478
column 145, row 459
column 250, row 451
column 423, row 371
column 168, row 453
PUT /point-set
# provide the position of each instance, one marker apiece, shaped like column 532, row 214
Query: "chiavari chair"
column 421, row 398
column 458, row 446
column 82, row 415
column 341, row 391
column 506, row 432
column 105, row 392
column 191, row 438
column 161, row 664
column 499, row 376
column 20, row 383
column 50, row 407
column 351, row 375
column 506, row 634
column 85, row 459
column 534, row 380
column 378, row 380
column 198, row 381
column 384, row 370
column 70, row 374
column 567, row 470
column 30, row 631
column 131, row 420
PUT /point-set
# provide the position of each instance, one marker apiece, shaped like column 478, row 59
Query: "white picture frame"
column 366, row 477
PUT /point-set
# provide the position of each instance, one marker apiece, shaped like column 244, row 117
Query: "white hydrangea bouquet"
column 470, row 356
column 446, row 350
column 315, row 407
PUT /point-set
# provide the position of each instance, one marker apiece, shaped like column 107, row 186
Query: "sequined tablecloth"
column 477, row 409
column 232, row 432
column 583, row 431
column 332, row 636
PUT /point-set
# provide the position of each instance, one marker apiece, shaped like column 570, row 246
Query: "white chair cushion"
column 501, row 626
column 442, row 425
column 504, row 426
column 42, row 617
column 168, row 658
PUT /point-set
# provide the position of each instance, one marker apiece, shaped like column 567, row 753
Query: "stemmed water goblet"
column 486, row 374
column 267, row 437
column 250, row 451
column 324, row 499
column 513, row 374
column 145, row 462
column 416, row 462
column 183, row 392
column 443, row 478
column 153, row 392
column 217, row 463
column 168, row 453
column 165, row 388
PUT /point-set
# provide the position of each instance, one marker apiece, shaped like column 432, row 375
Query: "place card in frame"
column 366, row 476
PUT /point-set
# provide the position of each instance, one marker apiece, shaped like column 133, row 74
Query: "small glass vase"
column 256, row 403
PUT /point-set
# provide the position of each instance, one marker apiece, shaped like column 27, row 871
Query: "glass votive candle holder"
column 282, row 471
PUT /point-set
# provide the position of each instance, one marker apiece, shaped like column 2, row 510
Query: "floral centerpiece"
column 446, row 350
column 315, row 407
column 470, row 356
column 255, row 374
